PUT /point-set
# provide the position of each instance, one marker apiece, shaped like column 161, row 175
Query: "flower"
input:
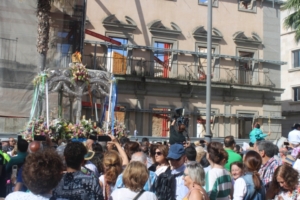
column 79, row 72
column 35, row 127
column 119, row 128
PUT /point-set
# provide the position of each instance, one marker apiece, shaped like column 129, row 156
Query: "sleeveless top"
column 252, row 193
column 188, row 195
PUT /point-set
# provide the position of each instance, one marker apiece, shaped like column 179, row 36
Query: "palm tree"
column 293, row 20
column 43, row 16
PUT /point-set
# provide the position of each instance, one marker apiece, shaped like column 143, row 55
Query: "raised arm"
column 120, row 150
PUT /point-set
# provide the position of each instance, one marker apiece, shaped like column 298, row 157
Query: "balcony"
column 178, row 71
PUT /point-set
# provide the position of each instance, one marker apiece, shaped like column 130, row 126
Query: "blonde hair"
column 112, row 163
column 135, row 176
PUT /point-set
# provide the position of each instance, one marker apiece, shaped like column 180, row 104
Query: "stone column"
column 227, row 124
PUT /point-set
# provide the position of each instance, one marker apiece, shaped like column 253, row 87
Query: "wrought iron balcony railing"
column 174, row 70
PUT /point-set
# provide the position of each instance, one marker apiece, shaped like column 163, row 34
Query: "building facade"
column 290, row 51
column 158, row 59
column 160, row 63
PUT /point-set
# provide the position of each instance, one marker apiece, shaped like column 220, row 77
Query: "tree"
column 293, row 20
column 43, row 16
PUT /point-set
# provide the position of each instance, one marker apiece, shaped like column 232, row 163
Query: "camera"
column 180, row 118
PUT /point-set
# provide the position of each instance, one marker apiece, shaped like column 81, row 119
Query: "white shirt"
column 294, row 136
column 26, row 196
column 206, row 169
column 296, row 166
column 126, row 194
column 181, row 189
column 160, row 170
column 240, row 189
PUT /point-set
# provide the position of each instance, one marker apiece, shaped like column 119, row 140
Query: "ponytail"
column 256, row 180
column 252, row 163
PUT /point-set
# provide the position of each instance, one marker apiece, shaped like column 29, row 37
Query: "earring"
column 193, row 184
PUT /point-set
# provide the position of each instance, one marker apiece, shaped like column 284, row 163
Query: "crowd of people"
column 121, row 169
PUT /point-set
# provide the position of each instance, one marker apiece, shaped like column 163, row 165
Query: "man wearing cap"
column 176, row 157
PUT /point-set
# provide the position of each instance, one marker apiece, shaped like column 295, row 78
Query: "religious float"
column 75, row 82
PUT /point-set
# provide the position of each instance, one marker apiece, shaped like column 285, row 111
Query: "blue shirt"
column 181, row 189
column 149, row 185
column 20, row 180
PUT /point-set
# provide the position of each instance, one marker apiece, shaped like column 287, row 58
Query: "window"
column 247, row 5
column 204, row 2
column 296, row 93
column 296, row 57
column 201, row 125
column 63, row 50
column 117, row 57
column 245, row 68
column 244, row 126
column 160, row 122
column 162, row 59
column 245, row 120
column 203, row 63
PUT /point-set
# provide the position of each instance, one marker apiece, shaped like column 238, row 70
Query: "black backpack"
column 165, row 185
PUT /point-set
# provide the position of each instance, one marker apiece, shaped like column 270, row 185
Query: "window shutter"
column 296, row 58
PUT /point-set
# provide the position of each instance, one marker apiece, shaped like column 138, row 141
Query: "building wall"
column 227, row 99
column 289, row 78
column 144, row 12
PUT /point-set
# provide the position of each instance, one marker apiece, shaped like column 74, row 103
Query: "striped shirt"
column 267, row 170
column 218, row 184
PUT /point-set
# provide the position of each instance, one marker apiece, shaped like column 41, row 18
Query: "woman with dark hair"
column 152, row 150
column 218, row 181
column 236, row 170
column 131, row 148
column 284, row 184
column 161, row 161
column 98, row 157
column 42, row 172
column 250, row 186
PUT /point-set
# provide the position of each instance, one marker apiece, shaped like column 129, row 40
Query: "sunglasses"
column 158, row 153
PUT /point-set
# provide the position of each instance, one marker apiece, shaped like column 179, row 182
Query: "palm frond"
column 297, row 35
column 291, row 5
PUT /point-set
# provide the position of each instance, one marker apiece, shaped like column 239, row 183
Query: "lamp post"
column 208, row 77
